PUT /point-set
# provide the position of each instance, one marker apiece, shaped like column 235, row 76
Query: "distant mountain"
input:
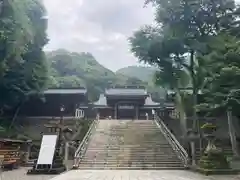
column 70, row 69
column 142, row 73
column 145, row 74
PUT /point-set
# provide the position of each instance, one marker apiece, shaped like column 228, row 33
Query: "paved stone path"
column 138, row 175
column 20, row 174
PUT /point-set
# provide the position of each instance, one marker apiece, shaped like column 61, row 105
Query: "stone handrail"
column 84, row 144
column 177, row 147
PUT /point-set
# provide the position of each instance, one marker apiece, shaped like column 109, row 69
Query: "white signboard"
column 47, row 149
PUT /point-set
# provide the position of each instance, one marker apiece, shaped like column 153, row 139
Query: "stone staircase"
column 128, row 144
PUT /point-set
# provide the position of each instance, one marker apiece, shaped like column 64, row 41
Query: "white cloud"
column 100, row 27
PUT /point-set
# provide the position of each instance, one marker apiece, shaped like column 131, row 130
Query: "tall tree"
column 23, row 69
column 222, row 89
column 184, row 29
column 149, row 46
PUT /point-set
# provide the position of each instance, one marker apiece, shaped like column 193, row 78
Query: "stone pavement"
column 138, row 175
column 20, row 174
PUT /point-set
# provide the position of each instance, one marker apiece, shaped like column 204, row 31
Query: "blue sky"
column 100, row 27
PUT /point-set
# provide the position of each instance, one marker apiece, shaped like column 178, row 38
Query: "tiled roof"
column 102, row 101
column 126, row 92
column 168, row 104
column 65, row 91
column 150, row 102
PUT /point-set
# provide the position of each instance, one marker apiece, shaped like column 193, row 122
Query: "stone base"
column 46, row 171
column 75, row 167
column 235, row 163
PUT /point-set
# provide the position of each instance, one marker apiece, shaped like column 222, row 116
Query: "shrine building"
column 126, row 103
column 56, row 102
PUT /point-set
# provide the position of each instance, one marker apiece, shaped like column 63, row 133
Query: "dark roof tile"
column 102, row 101
column 126, row 92
column 65, row 91
column 150, row 102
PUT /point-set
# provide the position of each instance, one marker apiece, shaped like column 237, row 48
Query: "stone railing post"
column 66, row 153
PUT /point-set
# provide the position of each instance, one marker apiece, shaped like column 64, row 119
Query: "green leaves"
column 195, row 38
column 224, row 64
column 23, row 67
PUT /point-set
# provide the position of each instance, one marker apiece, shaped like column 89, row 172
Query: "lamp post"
column 62, row 109
column 170, row 97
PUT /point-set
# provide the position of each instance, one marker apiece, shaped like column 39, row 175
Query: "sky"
column 101, row 27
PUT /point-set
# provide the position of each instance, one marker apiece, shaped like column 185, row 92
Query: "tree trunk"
column 182, row 113
column 15, row 116
column 232, row 133
column 195, row 91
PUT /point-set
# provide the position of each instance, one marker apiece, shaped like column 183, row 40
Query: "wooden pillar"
column 98, row 114
column 137, row 112
column 115, row 111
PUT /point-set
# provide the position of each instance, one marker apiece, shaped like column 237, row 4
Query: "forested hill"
column 70, row 69
column 140, row 72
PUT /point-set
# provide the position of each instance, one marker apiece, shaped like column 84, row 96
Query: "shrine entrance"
column 125, row 103
column 126, row 111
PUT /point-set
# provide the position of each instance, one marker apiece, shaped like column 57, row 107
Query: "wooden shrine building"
column 56, row 102
column 125, row 103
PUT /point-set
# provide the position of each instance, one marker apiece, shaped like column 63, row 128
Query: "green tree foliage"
column 23, row 68
column 223, row 66
column 222, row 90
column 184, row 29
column 140, row 72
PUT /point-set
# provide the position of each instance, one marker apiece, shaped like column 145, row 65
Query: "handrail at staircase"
column 177, row 147
column 84, row 144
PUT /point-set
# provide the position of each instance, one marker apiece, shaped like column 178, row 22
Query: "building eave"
column 102, row 107
column 151, row 107
column 73, row 91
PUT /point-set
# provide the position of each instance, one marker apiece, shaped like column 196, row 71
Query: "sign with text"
column 125, row 107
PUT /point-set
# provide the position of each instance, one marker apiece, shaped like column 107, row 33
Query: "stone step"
column 118, row 154
column 144, row 166
column 131, row 163
column 118, row 130
column 128, row 147
column 133, row 160
column 109, row 142
column 156, row 157
column 121, row 153
column 131, row 168
column 168, row 149
column 129, row 127
column 132, row 152
column 129, row 144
